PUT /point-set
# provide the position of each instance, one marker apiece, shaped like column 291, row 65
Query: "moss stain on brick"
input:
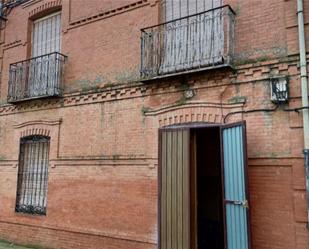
column 127, row 76
column 237, row 99
column 116, row 157
column 145, row 109
column 181, row 101
column 87, row 84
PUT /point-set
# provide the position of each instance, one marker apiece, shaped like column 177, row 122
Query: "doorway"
column 203, row 187
column 208, row 189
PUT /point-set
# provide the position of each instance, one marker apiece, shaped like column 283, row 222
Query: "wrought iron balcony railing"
column 37, row 77
column 195, row 42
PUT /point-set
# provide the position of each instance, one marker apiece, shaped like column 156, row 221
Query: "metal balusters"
column 192, row 42
column 37, row 77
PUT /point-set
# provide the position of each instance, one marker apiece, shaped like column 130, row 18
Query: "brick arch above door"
column 192, row 112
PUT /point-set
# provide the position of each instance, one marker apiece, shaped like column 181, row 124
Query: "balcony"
column 37, row 77
column 193, row 43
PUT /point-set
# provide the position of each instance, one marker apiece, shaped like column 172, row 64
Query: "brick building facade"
column 101, row 123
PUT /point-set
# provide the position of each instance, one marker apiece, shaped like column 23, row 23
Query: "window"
column 193, row 35
column 193, row 41
column 46, row 35
column 45, row 42
column 175, row 9
column 32, row 175
column 41, row 75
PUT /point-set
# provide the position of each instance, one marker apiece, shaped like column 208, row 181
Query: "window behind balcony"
column 46, row 35
column 41, row 75
column 174, row 9
column 32, row 175
column 193, row 35
column 44, row 74
column 191, row 42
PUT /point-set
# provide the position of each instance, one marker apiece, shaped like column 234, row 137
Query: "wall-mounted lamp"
column 279, row 90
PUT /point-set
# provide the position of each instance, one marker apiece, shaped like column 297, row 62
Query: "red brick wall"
column 260, row 29
column 102, row 190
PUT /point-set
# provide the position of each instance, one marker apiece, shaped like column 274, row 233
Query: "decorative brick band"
column 191, row 112
column 12, row 44
column 108, row 13
column 244, row 75
column 45, row 7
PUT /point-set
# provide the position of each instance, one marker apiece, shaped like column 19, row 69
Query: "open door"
column 236, row 203
column 203, row 194
column 174, row 189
